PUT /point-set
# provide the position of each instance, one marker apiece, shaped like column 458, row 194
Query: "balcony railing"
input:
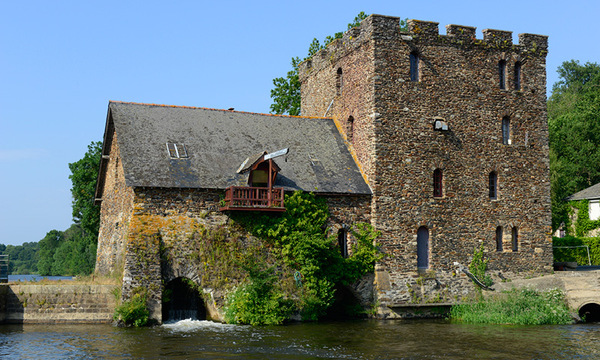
column 247, row 198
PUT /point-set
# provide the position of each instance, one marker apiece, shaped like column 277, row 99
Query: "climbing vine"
column 298, row 239
column 583, row 224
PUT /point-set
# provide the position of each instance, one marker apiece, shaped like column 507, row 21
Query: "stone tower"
column 451, row 134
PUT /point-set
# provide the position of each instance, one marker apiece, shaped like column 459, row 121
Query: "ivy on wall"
column 299, row 240
column 583, row 224
column 271, row 265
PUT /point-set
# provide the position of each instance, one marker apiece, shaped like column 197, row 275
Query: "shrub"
column 133, row 312
column 518, row 307
column 579, row 255
column 298, row 238
column 478, row 267
column 258, row 302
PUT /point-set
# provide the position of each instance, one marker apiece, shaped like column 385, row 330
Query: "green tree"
column 574, row 125
column 73, row 251
column 86, row 214
column 286, row 90
column 84, row 174
column 47, row 248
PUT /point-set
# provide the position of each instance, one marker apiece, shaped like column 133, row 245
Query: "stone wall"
column 177, row 233
column 399, row 149
column 115, row 212
column 57, row 303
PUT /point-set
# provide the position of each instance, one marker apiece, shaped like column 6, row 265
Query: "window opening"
column 499, row 239
column 515, row 239
column 423, row 248
column 414, row 66
column 493, row 185
column 339, row 81
column 506, row 131
column 259, row 177
column 350, row 128
column 438, row 190
column 343, row 242
column 502, row 74
column 518, row 75
column 177, row 151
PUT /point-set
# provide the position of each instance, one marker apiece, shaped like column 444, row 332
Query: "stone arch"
column 590, row 312
column 182, row 300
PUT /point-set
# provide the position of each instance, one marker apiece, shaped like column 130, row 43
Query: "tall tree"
column 86, row 214
column 47, row 248
column 286, row 90
column 574, row 125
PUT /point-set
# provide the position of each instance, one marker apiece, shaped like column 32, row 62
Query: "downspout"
column 329, row 107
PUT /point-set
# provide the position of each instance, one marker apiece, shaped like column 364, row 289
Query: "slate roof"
column 593, row 192
column 218, row 141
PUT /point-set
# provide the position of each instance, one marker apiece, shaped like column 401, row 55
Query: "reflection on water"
column 371, row 339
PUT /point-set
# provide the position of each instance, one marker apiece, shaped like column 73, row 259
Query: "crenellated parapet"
column 419, row 32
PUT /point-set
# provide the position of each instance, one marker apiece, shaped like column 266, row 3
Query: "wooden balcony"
column 246, row 198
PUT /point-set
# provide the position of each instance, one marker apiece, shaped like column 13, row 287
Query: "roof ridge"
column 213, row 109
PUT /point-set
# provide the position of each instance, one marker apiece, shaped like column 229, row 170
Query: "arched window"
column 438, row 180
column 343, row 242
column 506, row 130
column 339, row 83
column 493, row 185
column 350, row 128
column 518, row 75
column 515, row 239
column 423, row 248
column 414, row 66
column 502, row 74
column 499, row 239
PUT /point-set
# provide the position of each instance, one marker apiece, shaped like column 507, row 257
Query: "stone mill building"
column 439, row 141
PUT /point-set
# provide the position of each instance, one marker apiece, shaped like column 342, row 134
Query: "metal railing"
column 3, row 268
column 253, row 197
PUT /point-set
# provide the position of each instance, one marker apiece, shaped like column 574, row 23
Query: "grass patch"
column 516, row 307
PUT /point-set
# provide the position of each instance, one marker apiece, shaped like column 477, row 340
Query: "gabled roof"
column 593, row 192
column 218, row 141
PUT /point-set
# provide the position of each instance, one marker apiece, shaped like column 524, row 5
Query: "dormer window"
column 177, row 151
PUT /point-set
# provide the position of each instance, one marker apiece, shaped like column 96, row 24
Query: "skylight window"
column 177, row 151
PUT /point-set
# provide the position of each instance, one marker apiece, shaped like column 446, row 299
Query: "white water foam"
column 190, row 325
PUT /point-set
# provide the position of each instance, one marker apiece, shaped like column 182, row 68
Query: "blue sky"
column 62, row 61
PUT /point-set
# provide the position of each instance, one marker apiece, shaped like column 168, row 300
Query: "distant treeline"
column 23, row 258
column 58, row 253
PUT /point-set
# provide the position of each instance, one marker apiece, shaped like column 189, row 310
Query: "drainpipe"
column 329, row 107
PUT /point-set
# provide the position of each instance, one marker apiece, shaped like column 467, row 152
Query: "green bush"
column 478, row 266
column 298, row 238
column 133, row 312
column 578, row 255
column 258, row 302
column 518, row 307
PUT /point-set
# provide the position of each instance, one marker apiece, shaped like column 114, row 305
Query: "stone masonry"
column 363, row 81
column 151, row 235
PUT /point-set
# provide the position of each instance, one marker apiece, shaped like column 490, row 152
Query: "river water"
column 365, row 339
